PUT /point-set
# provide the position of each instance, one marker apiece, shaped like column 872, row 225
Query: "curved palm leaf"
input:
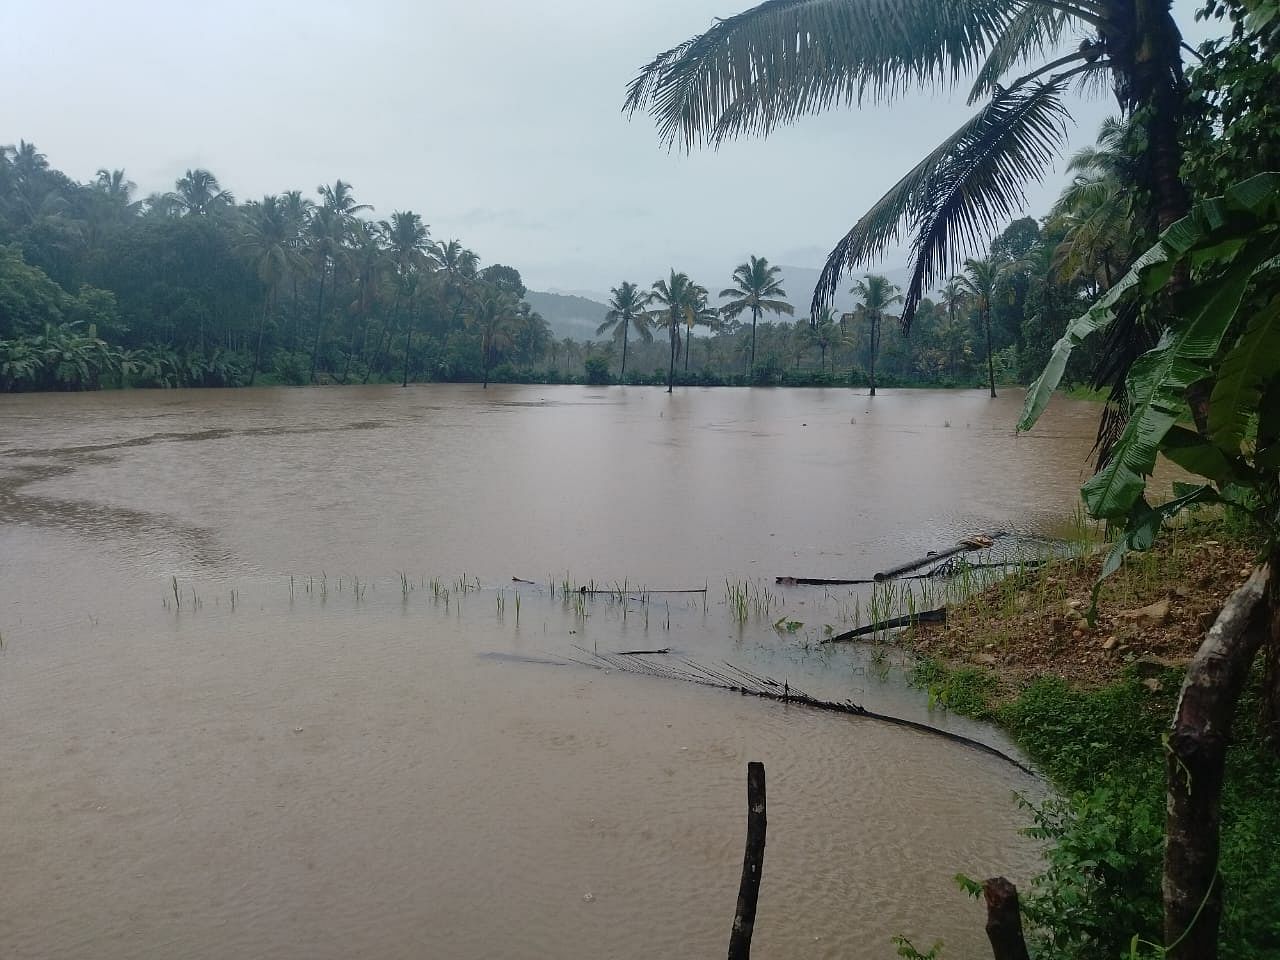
column 959, row 194
column 1034, row 31
column 783, row 59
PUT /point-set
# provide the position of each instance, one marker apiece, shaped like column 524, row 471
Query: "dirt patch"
column 1153, row 611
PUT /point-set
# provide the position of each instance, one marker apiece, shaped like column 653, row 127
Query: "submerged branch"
column 726, row 676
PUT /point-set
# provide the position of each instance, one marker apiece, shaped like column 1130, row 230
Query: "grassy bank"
column 1090, row 705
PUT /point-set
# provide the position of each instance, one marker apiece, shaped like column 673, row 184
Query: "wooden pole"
column 1004, row 920
column 1195, row 761
column 744, row 918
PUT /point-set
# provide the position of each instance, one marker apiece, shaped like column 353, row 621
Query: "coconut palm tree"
column 953, row 300
column 266, row 241
column 410, row 242
column 1095, row 210
column 821, row 334
column 198, row 193
column 626, row 313
column 494, row 317
column 116, row 187
column 756, row 288
column 459, row 267
column 677, row 297
column 877, row 294
column 978, row 282
column 703, row 314
column 296, row 210
column 780, row 60
column 327, row 235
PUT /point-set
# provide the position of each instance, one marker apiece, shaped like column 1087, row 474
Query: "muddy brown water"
column 313, row 754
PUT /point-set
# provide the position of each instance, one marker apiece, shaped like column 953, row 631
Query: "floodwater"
column 312, row 750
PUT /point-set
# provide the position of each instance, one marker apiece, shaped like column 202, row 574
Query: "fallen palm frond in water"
column 637, row 653
column 950, row 566
column 728, row 677
column 979, row 541
column 910, row 620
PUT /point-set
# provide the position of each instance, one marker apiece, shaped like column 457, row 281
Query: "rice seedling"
column 517, row 593
column 177, row 600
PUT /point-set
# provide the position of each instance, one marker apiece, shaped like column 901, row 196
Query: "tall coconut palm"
column 877, row 295
column 198, row 193
column 327, row 235
column 340, row 200
column 370, row 262
column 1095, row 211
column 979, row 281
column 458, row 267
column 494, row 317
column 626, row 313
column 677, row 297
column 756, row 288
column 702, row 315
column 780, row 60
column 296, row 210
column 331, row 227
column 954, row 299
column 822, row 333
column 115, row 186
column 266, row 241
column 410, row 241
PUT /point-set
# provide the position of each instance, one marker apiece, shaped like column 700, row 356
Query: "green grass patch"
column 1103, row 749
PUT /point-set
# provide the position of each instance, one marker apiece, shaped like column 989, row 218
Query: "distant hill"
column 568, row 314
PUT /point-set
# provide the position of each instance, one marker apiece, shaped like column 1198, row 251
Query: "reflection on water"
column 313, row 751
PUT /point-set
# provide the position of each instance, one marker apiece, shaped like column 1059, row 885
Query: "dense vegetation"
column 191, row 288
column 1171, row 228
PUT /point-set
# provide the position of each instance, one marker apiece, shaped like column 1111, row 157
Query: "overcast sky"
column 497, row 120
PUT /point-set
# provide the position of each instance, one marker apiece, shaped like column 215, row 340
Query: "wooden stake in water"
column 744, row 918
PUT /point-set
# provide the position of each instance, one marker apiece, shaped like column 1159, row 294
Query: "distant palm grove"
column 102, row 288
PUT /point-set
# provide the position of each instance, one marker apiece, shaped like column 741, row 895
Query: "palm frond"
column 767, row 66
column 1034, row 31
column 960, row 194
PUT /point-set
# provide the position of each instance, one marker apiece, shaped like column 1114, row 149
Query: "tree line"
column 101, row 288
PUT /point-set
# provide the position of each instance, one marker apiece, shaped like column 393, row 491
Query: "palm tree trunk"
column 871, row 365
column 262, row 326
column 671, row 372
column 755, row 315
column 991, row 364
column 688, row 345
column 297, row 309
column 408, row 344
column 408, row 340
column 315, row 348
column 623, row 373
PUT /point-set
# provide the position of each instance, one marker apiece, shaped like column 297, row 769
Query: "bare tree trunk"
column 1004, row 920
column 744, row 918
column 1196, row 757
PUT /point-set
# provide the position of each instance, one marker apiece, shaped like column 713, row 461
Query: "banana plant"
column 1222, row 327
